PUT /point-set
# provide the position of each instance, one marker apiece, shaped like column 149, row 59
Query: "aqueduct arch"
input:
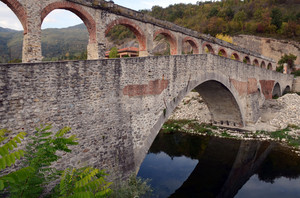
column 19, row 11
column 84, row 16
column 255, row 62
column 170, row 38
column 222, row 52
column 247, row 60
column 208, row 48
column 263, row 64
column 235, row 56
column 193, row 43
column 138, row 32
column 269, row 66
column 79, row 11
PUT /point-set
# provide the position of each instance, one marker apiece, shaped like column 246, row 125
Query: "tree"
column 39, row 154
column 289, row 59
column 276, row 16
column 113, row 53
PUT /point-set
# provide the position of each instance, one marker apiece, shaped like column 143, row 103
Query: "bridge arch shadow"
column 221, row 100
column 276, row 92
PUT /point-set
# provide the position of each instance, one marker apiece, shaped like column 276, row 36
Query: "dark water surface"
column 185, row 165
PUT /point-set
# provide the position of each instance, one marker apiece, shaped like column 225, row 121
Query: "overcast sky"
column 63, row 18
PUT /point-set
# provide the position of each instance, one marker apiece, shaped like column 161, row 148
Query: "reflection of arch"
column 193, row 43
column 263, row 64
column 138, row 32
column 247, row 60
column 208, row 47
column 255, row 62
column 222, row 52
column 221, row 99
column 79, row 11
column 235, row 56
column 286, row 90
column 170, row 38
column 276, row 91
column 19, row 11
column 269, row 66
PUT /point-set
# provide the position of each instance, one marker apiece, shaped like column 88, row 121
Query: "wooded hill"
column 268, row 18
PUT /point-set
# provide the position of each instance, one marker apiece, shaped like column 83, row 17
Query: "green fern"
column 85, row 182
column 8, row 157
column 39, row 155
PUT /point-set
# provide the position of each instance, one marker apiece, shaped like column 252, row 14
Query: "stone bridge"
column 116, row 107
column 100, row 17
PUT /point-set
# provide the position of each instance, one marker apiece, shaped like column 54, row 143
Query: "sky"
column 63, row 18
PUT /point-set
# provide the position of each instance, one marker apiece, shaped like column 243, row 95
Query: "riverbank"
column 280, row 121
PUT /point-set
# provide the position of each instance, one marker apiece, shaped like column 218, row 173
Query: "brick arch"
column 209, row 47
column 19, row 11
column 263, row 64
column 255, row 62
column 76, row 9
column 236, row 56
column 269, row 66
column 247, row 60
column 138, row 32
column 170, row 37
column 222, row 52
column 193, row 43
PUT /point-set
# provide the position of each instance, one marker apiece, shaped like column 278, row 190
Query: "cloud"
column 8, row 19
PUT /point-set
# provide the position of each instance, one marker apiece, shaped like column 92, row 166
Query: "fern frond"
column 103, row 193
column 62, row 131
column 16, row 177
column 10, row 159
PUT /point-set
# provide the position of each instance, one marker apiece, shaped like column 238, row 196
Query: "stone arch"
column 170, row 38
column 235, row 56
column 263, row 64
column 247, row 60
column 286, row 90
column 193, row 43
column 209, row 48
column 132, row 26
column 255, row 62
column 79, row 11
column 209, row 85
column 222, row 52
column 270, row 66
column 276, row 92
column 19, row 11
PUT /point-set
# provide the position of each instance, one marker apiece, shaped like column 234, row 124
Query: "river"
column 186, row 165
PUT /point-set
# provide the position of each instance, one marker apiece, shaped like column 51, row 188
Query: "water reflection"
column 184, row 165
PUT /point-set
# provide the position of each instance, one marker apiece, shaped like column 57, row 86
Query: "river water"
column 186, row 165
